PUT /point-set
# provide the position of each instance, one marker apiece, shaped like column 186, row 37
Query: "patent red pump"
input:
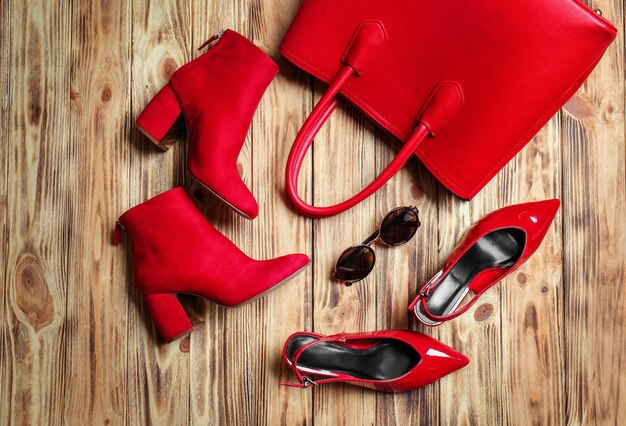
column 387, row 360
column 492, row 248
column 176, row 250
column 218, row 94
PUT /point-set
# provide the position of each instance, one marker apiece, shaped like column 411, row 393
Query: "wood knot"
column 75, row 100
column 483, row 312
column 610, row 114
column 522, row 279
column 184, row 344
column 339, row 314
column 579, row 107
column 34, row 109
column 31, row 293
column 416, row 192
column 105, row 96
column 240, row 168
column 544, row 289
column 167, row 68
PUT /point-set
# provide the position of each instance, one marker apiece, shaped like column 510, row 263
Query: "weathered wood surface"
column 77, row 347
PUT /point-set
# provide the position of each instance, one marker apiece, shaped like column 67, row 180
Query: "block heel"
column 159, row 116
column 169, row 317
column 213, row 266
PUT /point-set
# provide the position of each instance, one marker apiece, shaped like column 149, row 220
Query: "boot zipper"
column 212, row 39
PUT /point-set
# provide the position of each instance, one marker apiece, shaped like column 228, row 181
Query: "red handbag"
column 465, row 85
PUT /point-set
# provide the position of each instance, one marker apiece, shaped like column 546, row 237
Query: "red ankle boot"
column 175, row 250
column 218, row 94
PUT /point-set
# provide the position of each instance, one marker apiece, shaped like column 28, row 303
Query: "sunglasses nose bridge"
column 372, row 238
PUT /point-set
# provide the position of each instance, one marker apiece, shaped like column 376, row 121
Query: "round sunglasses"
column 397, row 228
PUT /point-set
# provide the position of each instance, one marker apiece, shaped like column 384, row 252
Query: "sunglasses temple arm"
column 370, row 240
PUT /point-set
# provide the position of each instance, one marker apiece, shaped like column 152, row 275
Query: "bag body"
column 516, row 62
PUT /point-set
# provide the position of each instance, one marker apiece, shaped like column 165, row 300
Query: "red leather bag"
column 464, row 84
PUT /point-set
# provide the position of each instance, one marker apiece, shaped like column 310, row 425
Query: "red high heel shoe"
column 175, row 250
column 218, row 94
column 389, row 360
column 491, row 249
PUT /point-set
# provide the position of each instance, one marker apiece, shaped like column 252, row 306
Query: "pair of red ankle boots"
column 217, row 94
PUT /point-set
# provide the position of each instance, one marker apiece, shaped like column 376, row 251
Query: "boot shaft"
column 219, row 93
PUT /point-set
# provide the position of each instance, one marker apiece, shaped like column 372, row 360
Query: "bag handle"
column 443, row 103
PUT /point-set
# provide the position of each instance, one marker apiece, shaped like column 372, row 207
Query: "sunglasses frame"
column 374, row 238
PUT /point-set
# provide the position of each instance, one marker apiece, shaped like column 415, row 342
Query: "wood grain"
column 533, row 294
column 397, row 272
column 5, row 72
column 100, row 118
column 337, row 308
column 594, row 240
column 472, row 396
column 38, row 219
column 216, row 392
column 287, row 101
column 158, row 374
column 77, row 347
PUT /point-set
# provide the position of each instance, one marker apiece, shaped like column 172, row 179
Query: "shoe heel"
column 169, row 317
column 159, row 116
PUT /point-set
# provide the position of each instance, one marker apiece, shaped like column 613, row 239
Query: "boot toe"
column 285, row 266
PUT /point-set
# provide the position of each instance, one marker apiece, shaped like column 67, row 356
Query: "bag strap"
column 443, row 103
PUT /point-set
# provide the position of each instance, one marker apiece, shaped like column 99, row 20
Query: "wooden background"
column 546, row 346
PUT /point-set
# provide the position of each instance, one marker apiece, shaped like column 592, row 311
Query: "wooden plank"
column 595, row 239
column 250, row 369
column 279, row 229
column 5, row 116
column 158, row 373
column 95, row 386
column 471, row 395
column 399, row 270
column 532, row 308
column 344, row 160
column 221, row 384
column 37, row 228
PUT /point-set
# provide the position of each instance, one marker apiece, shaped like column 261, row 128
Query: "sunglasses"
column 397, row 228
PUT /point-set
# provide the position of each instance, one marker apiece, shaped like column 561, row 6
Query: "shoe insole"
column 387, row 360
column 498, row 249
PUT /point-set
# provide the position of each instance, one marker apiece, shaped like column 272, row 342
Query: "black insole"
column 498, row 249
column 389, row 359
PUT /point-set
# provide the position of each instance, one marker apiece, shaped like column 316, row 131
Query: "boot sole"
column 203, row 185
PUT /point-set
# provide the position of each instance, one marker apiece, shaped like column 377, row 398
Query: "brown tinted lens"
column 399, row 226
column 355, row 263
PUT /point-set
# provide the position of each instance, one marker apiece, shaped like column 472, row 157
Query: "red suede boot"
column 176, row 250
column 218, row 94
